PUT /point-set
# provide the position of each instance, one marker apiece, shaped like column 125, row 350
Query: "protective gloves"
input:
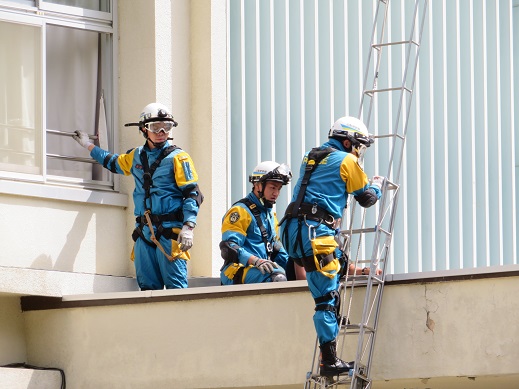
column 185, row 238
column 265, row 265
column 82, row 138
column 377, row 181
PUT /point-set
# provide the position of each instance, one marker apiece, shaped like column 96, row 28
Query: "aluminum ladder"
column 361, row 295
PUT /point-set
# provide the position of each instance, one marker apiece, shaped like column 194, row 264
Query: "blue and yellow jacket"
column 172, row 180
column 241, row 231
column 336, row 176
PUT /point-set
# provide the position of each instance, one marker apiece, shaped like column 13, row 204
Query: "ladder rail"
column 377, row 67
column 408, row 108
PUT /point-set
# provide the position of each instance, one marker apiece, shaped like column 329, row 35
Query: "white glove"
column 185, row 238
column 377, row 181
column 82, row 138
column 265, row 265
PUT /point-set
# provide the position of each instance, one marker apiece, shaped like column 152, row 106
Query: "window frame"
column 40, row 15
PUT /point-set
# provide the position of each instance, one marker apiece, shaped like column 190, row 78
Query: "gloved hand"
column 377, row 181
column 265, row 265
column 185, row 238
column 82, row 138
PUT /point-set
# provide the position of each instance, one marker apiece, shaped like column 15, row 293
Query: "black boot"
column 330, row 364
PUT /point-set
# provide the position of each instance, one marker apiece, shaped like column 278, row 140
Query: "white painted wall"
column 12, row 336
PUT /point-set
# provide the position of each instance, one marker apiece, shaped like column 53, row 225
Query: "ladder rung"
column 370, row 92
column 389, row 136
column 364, row 230
column 361, row 280
column 358, row 231
column 377, row 45
column 357, row 326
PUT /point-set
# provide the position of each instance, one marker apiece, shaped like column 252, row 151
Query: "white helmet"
column 271, row 171
column 354, row 130
column 156, row 112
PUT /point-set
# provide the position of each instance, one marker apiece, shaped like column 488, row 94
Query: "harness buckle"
column 311, row 231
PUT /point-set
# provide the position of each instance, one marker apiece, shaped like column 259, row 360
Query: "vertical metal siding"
column 297, row 65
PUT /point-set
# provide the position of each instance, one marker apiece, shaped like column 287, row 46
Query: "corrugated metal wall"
column 297, row 65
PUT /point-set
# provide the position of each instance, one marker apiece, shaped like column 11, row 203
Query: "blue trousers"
column 154, row 270
column 325, row 322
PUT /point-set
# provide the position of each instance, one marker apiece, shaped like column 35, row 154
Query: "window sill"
column 63, row 193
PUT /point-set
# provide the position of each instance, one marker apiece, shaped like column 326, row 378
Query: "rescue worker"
column 166, row 199
column 250, row 245
column 328, row 174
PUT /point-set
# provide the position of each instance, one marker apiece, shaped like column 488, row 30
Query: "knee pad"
column 278, row 277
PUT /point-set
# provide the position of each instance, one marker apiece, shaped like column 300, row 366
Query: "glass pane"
column 20, row 98
column 77, row 78
column 95, row 5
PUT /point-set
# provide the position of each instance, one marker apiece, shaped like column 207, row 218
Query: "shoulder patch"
column 234, row 217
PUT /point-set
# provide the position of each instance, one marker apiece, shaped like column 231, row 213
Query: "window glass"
column 95, row 5
column 74, row 90
column 20, row 98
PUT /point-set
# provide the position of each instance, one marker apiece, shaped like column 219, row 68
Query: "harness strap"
column 154, row 238
column 325, row 307
column 315, row 156
column 334, row 307
column 309, row 264
column 256, row 213
column 328, row 297
column 311, row 212
column 158, row 219
column 148, row 218
column 149, row 170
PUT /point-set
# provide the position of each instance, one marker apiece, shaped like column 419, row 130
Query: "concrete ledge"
column 29, row 378
column 22, row 281
column 49, row 283
column 206, row 288
column 453, row 275
column 35, row 303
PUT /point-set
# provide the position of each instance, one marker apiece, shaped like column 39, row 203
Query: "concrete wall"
column 12, row 334
column 431, row 335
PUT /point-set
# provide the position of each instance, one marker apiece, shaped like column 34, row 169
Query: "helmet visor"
column 281, row 174
column 157, row 127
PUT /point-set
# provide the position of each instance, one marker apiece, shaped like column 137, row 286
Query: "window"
column 59, row 78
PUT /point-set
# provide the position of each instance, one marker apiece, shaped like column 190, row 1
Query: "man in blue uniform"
column 166, row 199
column 328, row 175
column 250, row 245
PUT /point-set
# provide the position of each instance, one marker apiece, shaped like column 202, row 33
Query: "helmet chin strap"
column 264, row 201
column 158, row 144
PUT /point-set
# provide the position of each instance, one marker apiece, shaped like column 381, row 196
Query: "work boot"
column 330, row 364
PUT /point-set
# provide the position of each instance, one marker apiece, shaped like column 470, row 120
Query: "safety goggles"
column 158, row 127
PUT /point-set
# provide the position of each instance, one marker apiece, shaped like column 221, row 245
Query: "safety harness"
column 306, row 211
column 148, row 218
column 270, row 249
